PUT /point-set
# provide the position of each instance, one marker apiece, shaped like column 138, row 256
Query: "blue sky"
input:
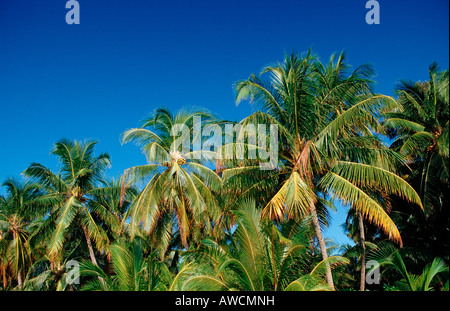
column 96, row 79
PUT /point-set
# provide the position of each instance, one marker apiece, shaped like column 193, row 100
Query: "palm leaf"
column 362, row 202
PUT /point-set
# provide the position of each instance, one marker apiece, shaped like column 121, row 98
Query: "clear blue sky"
column 98, row 78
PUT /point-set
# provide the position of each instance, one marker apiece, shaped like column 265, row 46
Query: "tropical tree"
column 434, row 273
column 18, row 209
column 365, row 236
column 326, row 118
column 180, row 191
column 73, row 188
column 421, row 131
column 345, row 276
column 133, row 270
column 256, row 257
column 115, row 196
column 44, row 275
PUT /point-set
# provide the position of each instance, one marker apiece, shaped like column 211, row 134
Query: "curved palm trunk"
column 89, row 244
column 323, row 248
column 362, row 286
column 19, row 274
column 91, row 252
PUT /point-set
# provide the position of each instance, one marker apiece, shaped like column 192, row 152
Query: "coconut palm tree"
column 421, row 131
column 74, row 188
column 326, row 116
column 363, row 236
column 106, row 201
column 133, row 270
column 22, row 203
column 256, row 257
column 14, row 248
column 180, row 190
column 116, row 197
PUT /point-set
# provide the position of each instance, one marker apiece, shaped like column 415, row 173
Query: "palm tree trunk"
column 19, row 275
column 89, row 244
column 323, row 248
column 108, row 267
column 362, row 285
column 91, row 252
column 311, row 245
column 3, row 268
column 19, row 279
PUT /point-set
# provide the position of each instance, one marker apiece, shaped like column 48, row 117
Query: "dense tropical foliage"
column 199, row 220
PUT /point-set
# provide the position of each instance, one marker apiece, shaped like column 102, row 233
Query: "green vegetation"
column 181, row 222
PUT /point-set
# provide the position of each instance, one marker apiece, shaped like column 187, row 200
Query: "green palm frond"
column 363, row 175
column 404, row 124
column 359, row 116
column 350, row 194
column 418, row 141
column 65, row 216
column 387, row 255
column 204, row 283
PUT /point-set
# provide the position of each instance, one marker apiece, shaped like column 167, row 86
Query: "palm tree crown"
column 74, row 189
column 180, row 190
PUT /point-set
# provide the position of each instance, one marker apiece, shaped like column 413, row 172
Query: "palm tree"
column 363, row 236
column 74, row 188
column 421, row 131
column 344, row 276
column 387, row 255
column 18, row 208
column 116, row 197
column 46, row 276
column 132, row 270
column 256, row 257
column 326, row 117
column 180, row 190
